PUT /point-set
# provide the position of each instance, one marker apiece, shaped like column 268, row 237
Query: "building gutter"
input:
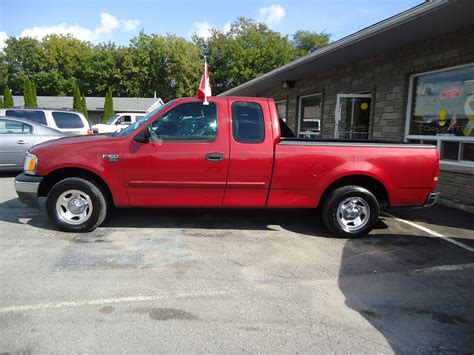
column 358, row 36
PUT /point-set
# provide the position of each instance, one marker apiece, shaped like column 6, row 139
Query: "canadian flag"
column 204, row 90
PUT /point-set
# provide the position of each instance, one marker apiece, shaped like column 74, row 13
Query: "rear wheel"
column 350, row 211
column 76, row 205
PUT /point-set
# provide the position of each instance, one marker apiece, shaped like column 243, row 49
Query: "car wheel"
column 76, row 205
column 350, row 211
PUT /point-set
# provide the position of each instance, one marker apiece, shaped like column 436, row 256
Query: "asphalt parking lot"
column 233, row 281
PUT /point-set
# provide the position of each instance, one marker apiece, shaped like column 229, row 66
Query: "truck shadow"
column 304, row 221
column 414, row 290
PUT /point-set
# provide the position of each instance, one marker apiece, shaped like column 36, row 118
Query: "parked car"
column 17, row 136
column 67, row 121
column 229, row 153
column 117, row 122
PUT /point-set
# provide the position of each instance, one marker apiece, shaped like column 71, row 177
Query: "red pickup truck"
column 233, row 152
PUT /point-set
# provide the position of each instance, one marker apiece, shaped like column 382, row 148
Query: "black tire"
column 97, row 198
column 366, row 202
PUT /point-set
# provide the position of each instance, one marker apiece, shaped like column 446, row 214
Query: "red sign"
column 450, row 93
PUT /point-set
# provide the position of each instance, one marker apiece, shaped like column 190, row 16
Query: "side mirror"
column 117, row 122
column 145, row 135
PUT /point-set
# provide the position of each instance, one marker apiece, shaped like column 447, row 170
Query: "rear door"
column 186, row 164
column 251, row 153
column 15, row 139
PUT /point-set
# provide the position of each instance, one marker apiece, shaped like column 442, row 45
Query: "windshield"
column 141, row 121
column 112, row 119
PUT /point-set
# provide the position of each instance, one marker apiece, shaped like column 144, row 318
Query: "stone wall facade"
column 386, row 77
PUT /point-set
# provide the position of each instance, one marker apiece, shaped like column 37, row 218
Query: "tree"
column 1, row 102
column 34, row 99
column 23, row 58
column 76, row 99
column 28, row 93
column 7, row 98
column 309, row 41
column 248, row 50
column 108, row 106
column 84, row 107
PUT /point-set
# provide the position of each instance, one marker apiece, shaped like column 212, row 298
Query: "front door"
column 187, row 161
column 15, row 139
column 352, row 116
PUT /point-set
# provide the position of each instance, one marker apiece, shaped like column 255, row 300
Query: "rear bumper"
column 27, row 187
column 432, row 199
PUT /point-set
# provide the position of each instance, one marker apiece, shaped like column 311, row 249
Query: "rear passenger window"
column 67, row 120
column 35, row 116
column 247, row 122
column 14, row 127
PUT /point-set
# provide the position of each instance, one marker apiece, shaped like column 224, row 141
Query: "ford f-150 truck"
column 233, row 152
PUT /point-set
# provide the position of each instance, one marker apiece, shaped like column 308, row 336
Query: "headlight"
column 31, row 162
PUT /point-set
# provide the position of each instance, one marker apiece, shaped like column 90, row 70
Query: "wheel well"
column 54, row 177
column 367, row 182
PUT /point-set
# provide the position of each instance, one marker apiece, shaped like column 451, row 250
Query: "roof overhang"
column 424, row 21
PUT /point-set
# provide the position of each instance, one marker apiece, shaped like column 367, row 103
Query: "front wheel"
column 350, row 211
column 76, row 205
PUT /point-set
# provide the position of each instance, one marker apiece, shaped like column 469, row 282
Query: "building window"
column 441, row 110
column 282, row 107
column 309, row 116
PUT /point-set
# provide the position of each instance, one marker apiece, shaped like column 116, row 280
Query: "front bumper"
column 27, row 187
column 432, row 199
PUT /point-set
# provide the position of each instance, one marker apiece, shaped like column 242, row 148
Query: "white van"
column 117, row 122
column 66, row 121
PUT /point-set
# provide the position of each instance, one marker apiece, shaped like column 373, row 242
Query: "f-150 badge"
column 113, row 158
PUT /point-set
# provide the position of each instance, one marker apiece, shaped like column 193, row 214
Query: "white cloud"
column 226, row 27
column 3, row 38
column 108, row 24
column 272, row 15
column 203, row 29
column 130, row 25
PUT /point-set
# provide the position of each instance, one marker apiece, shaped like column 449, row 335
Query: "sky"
column 119, row 20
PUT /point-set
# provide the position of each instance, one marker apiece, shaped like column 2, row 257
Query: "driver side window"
column 191, row 121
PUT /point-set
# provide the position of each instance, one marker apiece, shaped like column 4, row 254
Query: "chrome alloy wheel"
column 74, row 207
column 353, row 214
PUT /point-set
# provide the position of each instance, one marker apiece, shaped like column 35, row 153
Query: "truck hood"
column 74, row 141
column 85, row 152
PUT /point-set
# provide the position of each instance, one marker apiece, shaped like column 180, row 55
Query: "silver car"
column 17, row 135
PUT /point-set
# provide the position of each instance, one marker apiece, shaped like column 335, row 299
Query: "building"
column 95, row 105
column 407, row 78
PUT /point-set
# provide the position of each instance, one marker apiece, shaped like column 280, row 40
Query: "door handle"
column 21, row 141
column 215, row 157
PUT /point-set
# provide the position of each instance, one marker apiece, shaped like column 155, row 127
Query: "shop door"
column 352, row 116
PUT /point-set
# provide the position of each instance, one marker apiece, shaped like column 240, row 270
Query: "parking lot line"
column 430, row 231
column 103, row 301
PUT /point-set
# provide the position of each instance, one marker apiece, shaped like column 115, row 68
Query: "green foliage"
column 249, row 49
column 169, row 65
column 84, row 107
column 33, row 94
column 1, row 102
column 29, row 93
column 309, row 41
column 108, row 106
column 76, row 99
column 23, row 58
column 7, row 98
